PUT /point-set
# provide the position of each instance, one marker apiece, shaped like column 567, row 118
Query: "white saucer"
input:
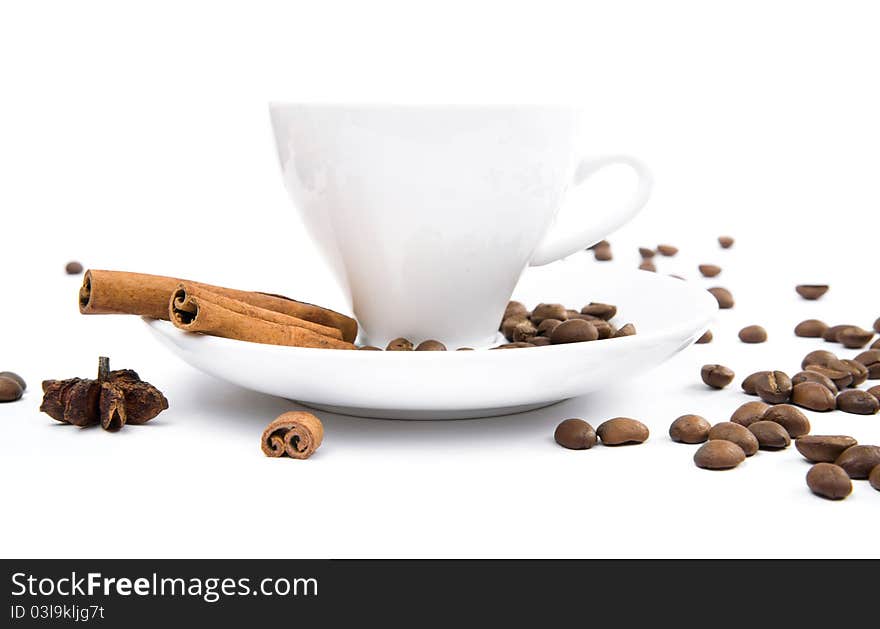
column 669, row 314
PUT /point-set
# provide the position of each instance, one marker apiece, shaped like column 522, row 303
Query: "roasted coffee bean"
column 820, row 357
column 604, row 329
column 515, row 309
column 854, row 337
column 829, row 481
column 575, row 434
column 517, row 345
column 370, row 348
column 774, row 387
column 811, row 291
column 706, row 338
column 814, row 396
column 627, row 330
column 748, row 385
column 465, row 349
column 690, row 429
column 832, row 332
column 877, row 325
column 10, row 390
column 646, row 253
column 723, row 296
column 813, row 376
column 667, row 250
column 602, row 254
column 719, row 454
column 874, row 478
column 869, row 359
column 73, row 268
column 858, row 371
column 16, row 377
column 603, row 311
column 790, row 418
column 709, row 270
column 547, row 326
column 753, row 334
column 601, row 243
column 509, row 323
column 726, row 242
column 548, row 311
column 539, row 341
column 430, row 346
column 621, row 431
column 524, row 331
column 574, row 331
column 647, row 265
column 738, row 434
column 823, row 448
column 857, row 402
column 717, row 376
column 399, row 345
column 811, row 328
column 749, row 413
column 840, row 375
column 770, row 435
column 858, row 461
column 875, row 391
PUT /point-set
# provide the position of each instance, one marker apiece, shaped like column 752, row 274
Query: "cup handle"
column 555, row 246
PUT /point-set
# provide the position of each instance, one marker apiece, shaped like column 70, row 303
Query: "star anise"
column 114, row 399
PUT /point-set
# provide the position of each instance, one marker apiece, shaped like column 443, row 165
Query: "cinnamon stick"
column 296, row 433
column 196, row 309
column 121, row 292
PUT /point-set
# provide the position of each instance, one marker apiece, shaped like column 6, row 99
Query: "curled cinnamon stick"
column 121, row 292
column 296, row 433
column 196, row 309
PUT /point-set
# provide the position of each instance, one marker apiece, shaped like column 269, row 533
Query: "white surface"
column 416, row 385
column 140, row 140
column 425, row 212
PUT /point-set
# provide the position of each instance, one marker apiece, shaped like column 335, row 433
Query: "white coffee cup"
column 429, row 214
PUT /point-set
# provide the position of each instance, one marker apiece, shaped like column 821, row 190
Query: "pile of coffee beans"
column 577, row 434
column 12, row 386
column 555, row 324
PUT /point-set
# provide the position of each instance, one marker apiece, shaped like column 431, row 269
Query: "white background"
column 139, row 139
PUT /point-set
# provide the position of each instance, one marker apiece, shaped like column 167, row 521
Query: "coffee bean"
column 740, row 435
column 622, row 431
column 812, row 376
column 829, row 481
column 790, row 418
column 813, row 396
column 854, row 337
column 370, row 348
column 627, row 330
column 574, row 331
column 823, row 448
column 603, row 311
column 723, row 296
column 16, row 377
column 749, row 413
column 870, row 359
column 832, row 332
column 509, row 323
column 858, row 371
column 430, row 346
column 717, row 376
column 399, row 345
column 811, row 328
column 73, row 268
column 841, row 376
column 516, row 345
column 811, row 291
column 465, row 349
column 10, row 390
column 548, row 311
column 857, row 402
column 726, row 242
column 706, row 338
column 774, row 387
column 539, row 341
column 877, row 325
column 748, row 385
column 875, row 391
column 647, row 265
column 753, row 334
column 858, row 461
column 690, row 429
column 876, row 344
column 602, row 254
column 874, row 478
column 603, row 328
column 667, row 250
column 547, row 326
column 646, row 253
column 820, row 357
column 719, row 455
column 515, row 309
column 575, row 434
column 524, row 331
column 709, row 270
column 770, row 435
